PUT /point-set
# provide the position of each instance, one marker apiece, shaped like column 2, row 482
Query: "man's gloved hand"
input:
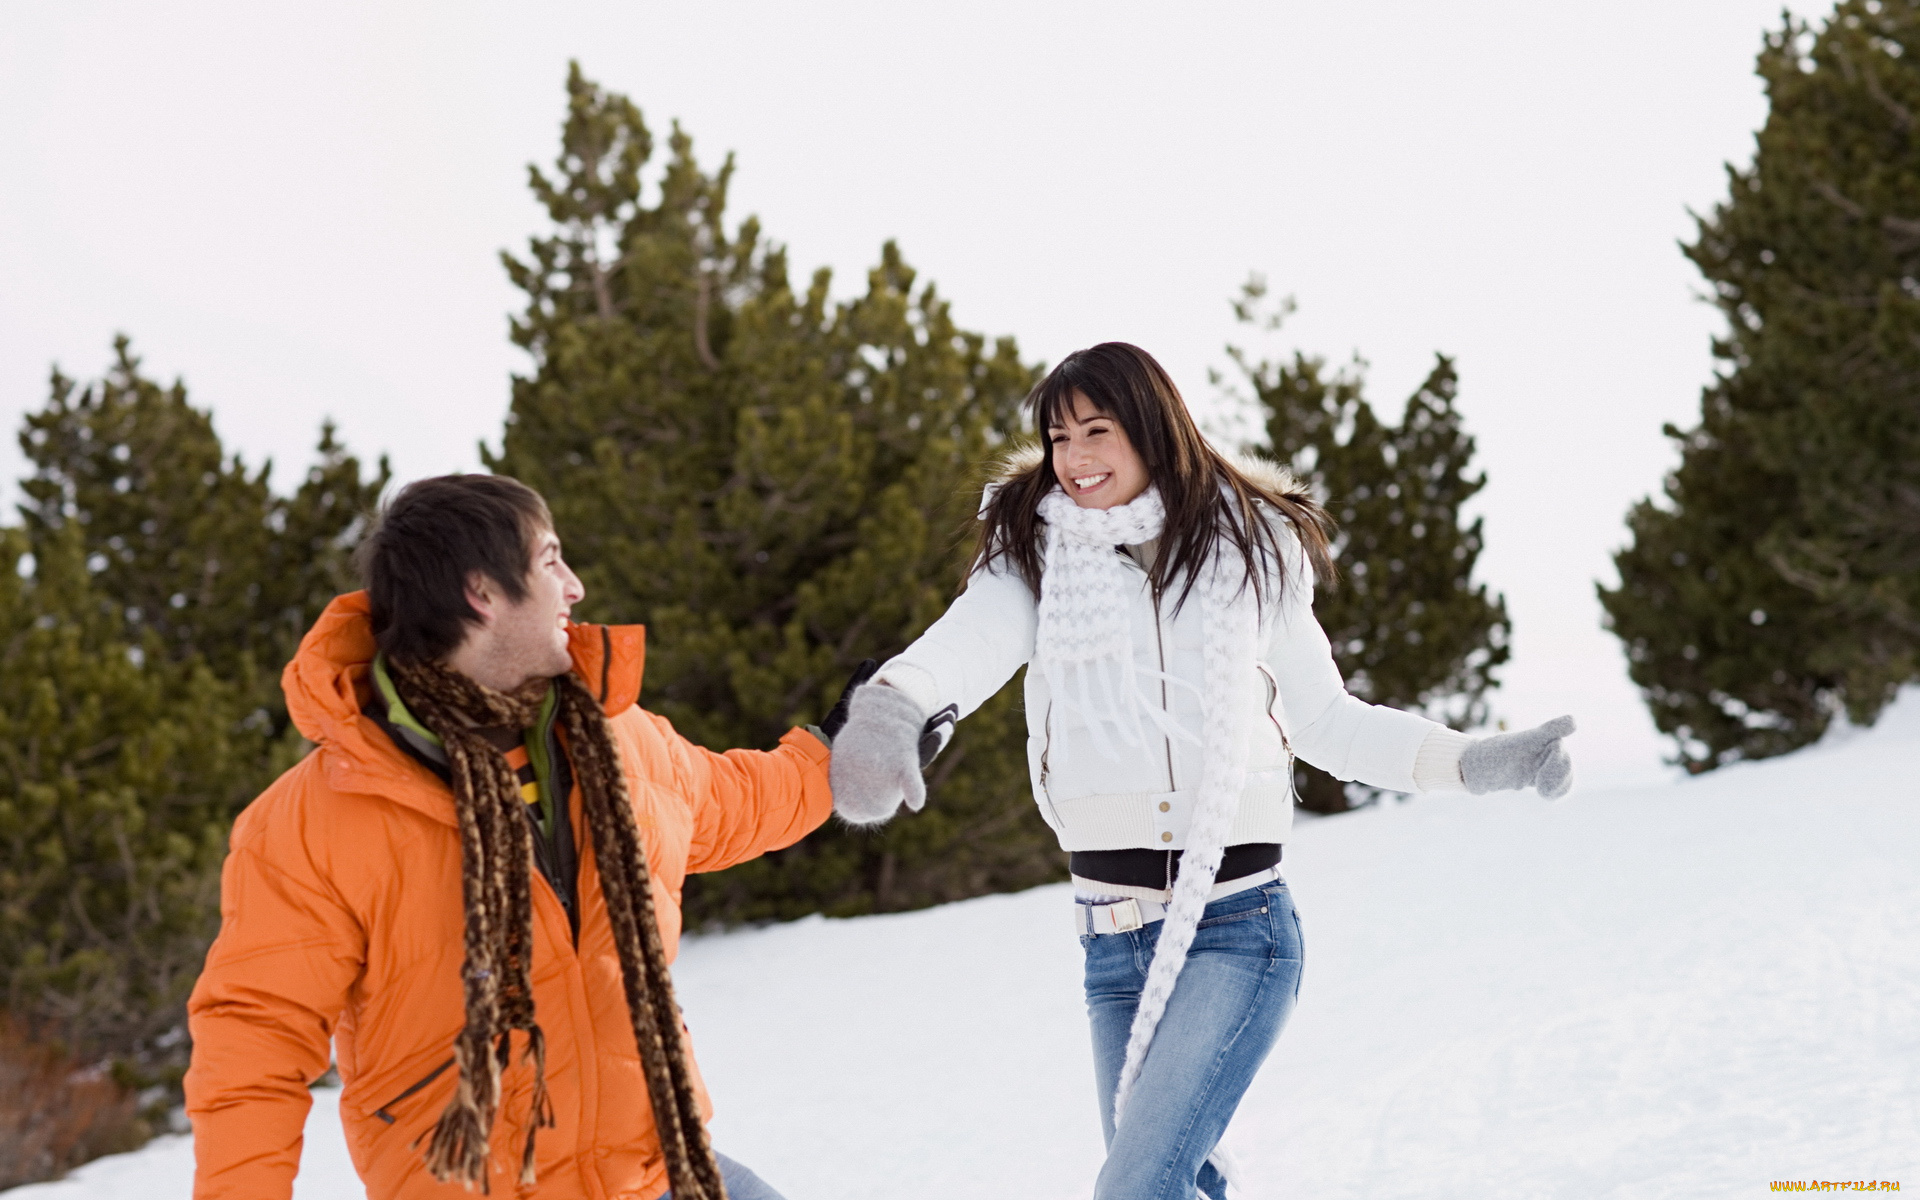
column 836, row 717
column 877, row 755
column 936, row 733
column 1531, row 758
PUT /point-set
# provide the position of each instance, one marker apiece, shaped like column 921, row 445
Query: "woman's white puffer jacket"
column 1142, row 796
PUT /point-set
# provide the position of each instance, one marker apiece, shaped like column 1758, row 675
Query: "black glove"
column 936, row 733
column 836, row 717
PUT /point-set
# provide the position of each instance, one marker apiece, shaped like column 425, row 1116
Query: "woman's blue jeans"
column 741, row 1183
column 1234, row 995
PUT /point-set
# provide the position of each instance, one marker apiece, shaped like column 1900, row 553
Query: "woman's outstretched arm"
column 1336, row 731
column 1385, row 747
column 949, row 671
column 972, row 650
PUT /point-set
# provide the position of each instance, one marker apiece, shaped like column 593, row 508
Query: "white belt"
column 1123, row 916
column 1118, row 917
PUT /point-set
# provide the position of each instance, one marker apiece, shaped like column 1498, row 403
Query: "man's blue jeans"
column 1235, row 993
column 742, row 1184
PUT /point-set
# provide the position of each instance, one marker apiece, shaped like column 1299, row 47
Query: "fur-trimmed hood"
column 1270, row 475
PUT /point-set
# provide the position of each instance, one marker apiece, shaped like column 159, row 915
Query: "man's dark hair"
column 426, row 544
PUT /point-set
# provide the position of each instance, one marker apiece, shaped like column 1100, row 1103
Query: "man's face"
column 529, row 638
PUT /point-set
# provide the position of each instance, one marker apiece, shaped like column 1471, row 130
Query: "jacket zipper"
column 1160, row 641
column 1160, row 645
column 388, row 1117
column 565, row 877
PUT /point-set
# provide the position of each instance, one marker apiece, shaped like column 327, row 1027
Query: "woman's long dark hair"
column 1207, row 498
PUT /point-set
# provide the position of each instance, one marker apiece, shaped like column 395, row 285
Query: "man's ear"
column 483, row 596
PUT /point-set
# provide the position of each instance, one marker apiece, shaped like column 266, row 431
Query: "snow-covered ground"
column 1687, row 990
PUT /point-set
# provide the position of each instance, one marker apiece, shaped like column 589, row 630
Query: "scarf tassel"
column 540, row 1115
column 457, row 1148
column 1083, row 641
column 496, row 860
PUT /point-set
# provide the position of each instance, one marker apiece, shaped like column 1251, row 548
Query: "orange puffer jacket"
column 341, row 922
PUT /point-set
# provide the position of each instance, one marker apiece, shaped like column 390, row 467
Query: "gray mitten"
column 876, row 756
column 1531, row 758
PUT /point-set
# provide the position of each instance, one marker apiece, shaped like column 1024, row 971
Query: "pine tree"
column 191, row 545
column 146, row 607
column 1778, row 579
column 1722, row 646
column 1410, row 628
column 776, row 483
column 123, row 767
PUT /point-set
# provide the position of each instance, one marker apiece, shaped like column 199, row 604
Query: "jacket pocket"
column 1046, row 742
column 385, row 1111
column 1046, row 752
column 1245, row 914
column 1273, row 697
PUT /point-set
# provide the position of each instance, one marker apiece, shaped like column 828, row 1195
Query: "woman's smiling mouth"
column 1087, row 483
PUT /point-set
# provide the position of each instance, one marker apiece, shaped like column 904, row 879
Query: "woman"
column 1163, row 596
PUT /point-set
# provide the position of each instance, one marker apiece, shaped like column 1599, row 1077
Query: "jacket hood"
column 329, row 683
column 1268, row 474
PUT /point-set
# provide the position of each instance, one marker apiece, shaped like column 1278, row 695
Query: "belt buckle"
column 1122, row 916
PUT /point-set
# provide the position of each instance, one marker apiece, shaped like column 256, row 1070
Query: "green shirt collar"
column 399, row 716
column 397, row 713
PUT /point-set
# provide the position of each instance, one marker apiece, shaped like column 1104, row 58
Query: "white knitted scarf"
column 1084, row 647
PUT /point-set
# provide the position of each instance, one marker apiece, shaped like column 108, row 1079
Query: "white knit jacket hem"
column 1158, row 820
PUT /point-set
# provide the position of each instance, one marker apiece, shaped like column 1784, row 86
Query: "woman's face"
column 1093, row 459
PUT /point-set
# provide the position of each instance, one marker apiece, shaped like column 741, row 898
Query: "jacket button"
column 1166, row 837
column 1164, row 806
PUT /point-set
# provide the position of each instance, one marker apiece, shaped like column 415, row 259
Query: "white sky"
column 299, row 208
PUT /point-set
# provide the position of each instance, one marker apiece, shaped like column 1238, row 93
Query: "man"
column 471, row 886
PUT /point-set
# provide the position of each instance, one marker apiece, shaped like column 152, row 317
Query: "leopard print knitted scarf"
column 496, row 864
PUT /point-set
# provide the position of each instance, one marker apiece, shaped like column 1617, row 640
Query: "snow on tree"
column 188, row 543
column 777, row 483
column 147, row 603
column 1409, row 626
column 1777, row 579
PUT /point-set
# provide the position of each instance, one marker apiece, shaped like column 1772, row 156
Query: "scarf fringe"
column 457, row 1147
column 1232, row 620
column 1084, row 644
column 540, row 1113
column 496, row 860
